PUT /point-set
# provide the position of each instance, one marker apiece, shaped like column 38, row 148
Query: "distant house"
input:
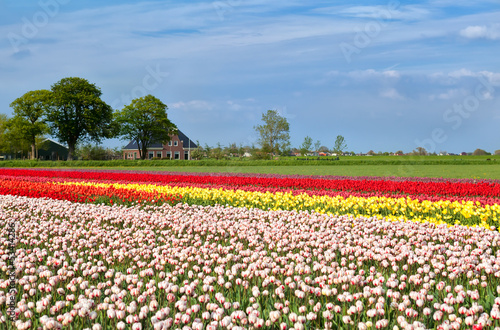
column 48, row 149
column 179, row 147
column 52, row 150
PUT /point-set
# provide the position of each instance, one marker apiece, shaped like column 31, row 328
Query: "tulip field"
column 151, row 250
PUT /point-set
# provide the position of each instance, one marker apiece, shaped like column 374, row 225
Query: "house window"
column 129, row 155
column 176, row 155
column 135, row 155
column 169, row 143
column 169, row 155
column 186, row 154
column 176, row 143
column 158, row 154
column 151, row 155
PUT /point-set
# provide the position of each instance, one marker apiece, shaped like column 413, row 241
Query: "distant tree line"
column 73, row 112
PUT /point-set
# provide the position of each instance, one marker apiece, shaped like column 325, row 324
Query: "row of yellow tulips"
column 394, row 209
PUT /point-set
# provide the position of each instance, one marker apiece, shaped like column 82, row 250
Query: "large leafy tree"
column 145, row 122
column 3, row 133
column 10, row 138
column 29, row 112
column 274, row 132
column 77, row 113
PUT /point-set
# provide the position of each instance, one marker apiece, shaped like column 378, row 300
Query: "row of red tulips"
column 457, row 189
column 82, row 194
column 345, row 194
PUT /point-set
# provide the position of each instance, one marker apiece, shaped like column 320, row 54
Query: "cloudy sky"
column 386, row 75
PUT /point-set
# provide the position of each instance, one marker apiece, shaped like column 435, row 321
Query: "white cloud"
column 462, row 73
column 410, row 12
column 193, row 105
column 234, row 106
column 391, row 74
column 332, row 73
column 459, row 3
column 481, row 32
column 493, row 77
column 392, row 93
column 449, row 94
column 373, row 74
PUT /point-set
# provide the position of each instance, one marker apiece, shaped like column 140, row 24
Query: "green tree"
column 274, row 133
column 207, row 150
column 306, row 145
column 3, row 131
column 92, row 152
column 317, row 145
column 340, row 145
column 420, row 151
column 480, row 152
column 323, row 149
column 29, row 113
column 77, row 113
column 241, row 150
column 217, row 152
column 232, row 149
column 145, row 122
column 12, row 142
column 197, row 153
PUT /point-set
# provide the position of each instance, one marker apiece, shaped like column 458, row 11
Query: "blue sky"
column 386, row 75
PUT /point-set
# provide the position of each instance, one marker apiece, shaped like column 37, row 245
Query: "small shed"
column 52, row 150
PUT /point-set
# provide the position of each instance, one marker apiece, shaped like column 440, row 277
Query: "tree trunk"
column 71, row 150
column 33, row 151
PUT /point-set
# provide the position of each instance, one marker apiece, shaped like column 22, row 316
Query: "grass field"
column 436, row 171
column 479, row 167
column 445, row 171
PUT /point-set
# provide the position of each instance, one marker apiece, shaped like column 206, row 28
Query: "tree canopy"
column 145, row 122
column 305, row 148
column 317, row 145
column 3, row 129
column 479, row 152
column 274, row 133
column 29, row 112
column 77, row 113
column 340, row 145
column 11, row 141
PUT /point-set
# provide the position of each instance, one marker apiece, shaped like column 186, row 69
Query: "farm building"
column 48, row 149
column 179, row 147
column 52, row 150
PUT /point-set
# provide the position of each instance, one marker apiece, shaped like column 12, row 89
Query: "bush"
column 479, row 152
column 259, row 155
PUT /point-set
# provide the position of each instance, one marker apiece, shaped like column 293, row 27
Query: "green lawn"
column 480, row 167
column 445, row 171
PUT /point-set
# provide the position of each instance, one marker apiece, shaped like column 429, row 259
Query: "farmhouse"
column 179, row 147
